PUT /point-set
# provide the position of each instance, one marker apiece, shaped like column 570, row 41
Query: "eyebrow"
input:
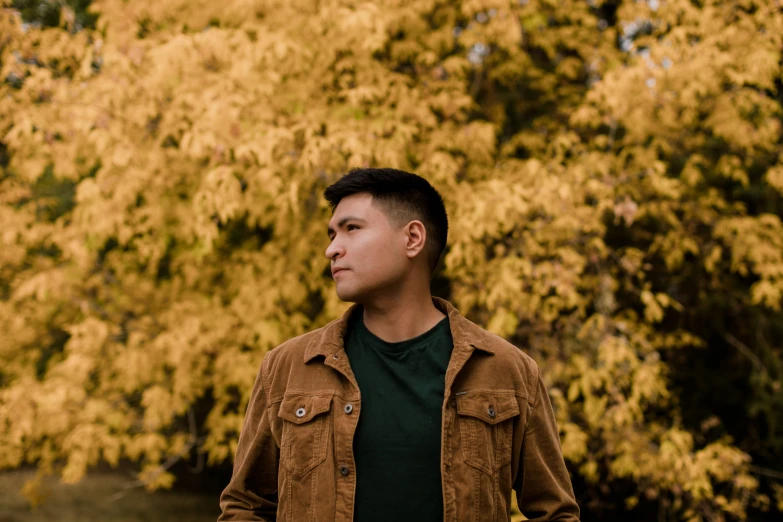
column 342, row 222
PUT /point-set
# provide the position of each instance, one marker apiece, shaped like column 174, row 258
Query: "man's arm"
column 251, row 494
column 544, row 490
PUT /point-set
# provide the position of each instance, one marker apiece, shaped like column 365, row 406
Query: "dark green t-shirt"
column 397, row 441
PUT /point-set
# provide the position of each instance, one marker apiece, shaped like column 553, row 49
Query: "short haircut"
column 402, row 197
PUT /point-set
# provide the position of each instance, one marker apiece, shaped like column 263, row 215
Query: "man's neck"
column 402, row 320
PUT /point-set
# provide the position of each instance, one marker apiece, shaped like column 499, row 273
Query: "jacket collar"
column 329, row 339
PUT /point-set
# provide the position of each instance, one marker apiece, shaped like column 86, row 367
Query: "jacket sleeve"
column 251, row 494
column 543, row 487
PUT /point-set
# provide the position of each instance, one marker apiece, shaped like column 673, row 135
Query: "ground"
column 89, row 501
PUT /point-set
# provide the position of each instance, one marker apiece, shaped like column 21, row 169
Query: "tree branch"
column 747, row 352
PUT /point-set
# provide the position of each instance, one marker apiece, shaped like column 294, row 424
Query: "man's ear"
column 416, row 238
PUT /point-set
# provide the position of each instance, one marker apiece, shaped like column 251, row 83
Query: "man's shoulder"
column 293, row 350
column 296, row 345
column 506, row 355
column 501, row 347
column 290, row 365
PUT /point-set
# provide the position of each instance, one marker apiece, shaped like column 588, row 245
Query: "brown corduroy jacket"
column 294, row 460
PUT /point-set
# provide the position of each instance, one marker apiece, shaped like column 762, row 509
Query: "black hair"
column 402, row 197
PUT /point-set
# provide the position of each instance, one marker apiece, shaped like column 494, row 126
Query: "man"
column 401, row 410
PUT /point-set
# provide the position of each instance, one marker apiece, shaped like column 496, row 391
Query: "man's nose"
column 331, row 251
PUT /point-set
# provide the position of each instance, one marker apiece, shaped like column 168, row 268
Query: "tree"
column 611, row 171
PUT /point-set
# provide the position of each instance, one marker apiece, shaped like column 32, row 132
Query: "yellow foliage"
column 163, row 225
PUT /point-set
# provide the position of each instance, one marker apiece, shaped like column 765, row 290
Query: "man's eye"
column 349, row 227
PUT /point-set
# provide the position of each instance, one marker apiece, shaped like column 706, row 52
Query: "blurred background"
column 613, row 173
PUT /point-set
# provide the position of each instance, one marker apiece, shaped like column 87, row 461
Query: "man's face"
column 365, row 244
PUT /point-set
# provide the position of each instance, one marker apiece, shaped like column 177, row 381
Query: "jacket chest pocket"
column 305, row 436
column 486, row 421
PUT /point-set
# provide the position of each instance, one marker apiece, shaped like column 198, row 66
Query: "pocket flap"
column 489, row 406
column 302, row 408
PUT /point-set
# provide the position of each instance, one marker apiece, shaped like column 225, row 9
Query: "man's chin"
column 350, row 294
column 346, row 295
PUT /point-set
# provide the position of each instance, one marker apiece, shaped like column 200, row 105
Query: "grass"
column 89, row 501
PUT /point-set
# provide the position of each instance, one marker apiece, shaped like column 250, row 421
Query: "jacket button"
column 491, row 411
column 301, row 412
column 348, row 408
column 344, row 470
